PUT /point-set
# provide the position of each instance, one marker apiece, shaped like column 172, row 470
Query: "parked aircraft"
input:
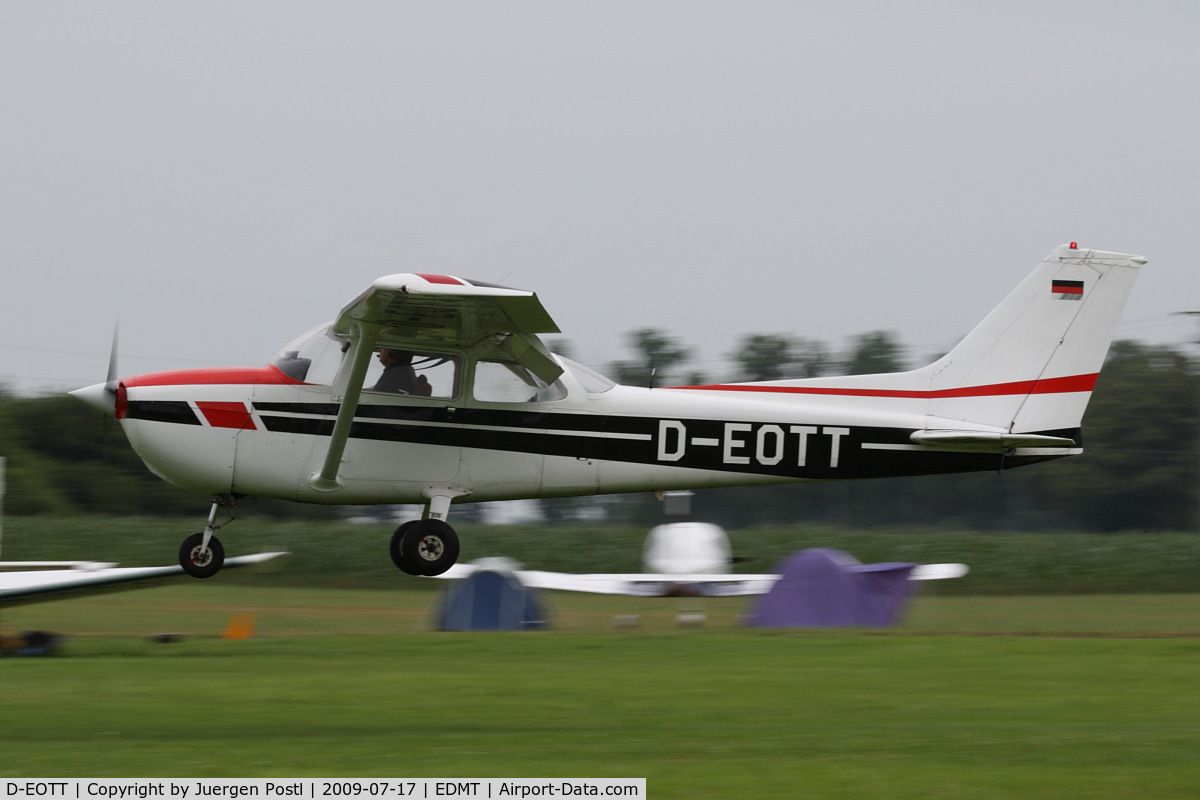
column 478, row 409
column 26, row 582
column 680, row 558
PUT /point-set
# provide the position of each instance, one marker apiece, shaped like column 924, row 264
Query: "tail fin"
column 1021, row 378
column 1031, row 364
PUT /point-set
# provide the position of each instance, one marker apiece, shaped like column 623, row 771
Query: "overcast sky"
column 222, row 176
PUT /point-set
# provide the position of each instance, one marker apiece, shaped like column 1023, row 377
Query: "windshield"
column 311, row 357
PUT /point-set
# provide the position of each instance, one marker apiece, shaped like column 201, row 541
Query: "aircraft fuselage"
column 258, row 432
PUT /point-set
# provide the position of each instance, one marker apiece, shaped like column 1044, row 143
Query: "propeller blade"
column 110, row 384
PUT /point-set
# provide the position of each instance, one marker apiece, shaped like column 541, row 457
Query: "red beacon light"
column 1074, row 245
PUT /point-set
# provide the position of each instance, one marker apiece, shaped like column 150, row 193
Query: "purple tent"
column 830, row 589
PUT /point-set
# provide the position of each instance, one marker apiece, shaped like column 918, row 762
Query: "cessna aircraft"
column 680, row 558
column 472, row 407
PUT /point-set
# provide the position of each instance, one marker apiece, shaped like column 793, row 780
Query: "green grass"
column 344, row 555
column 721, row 715
column 986, row 697
column 1075, row 691
column 204, row 609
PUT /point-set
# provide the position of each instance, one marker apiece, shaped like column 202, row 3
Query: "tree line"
column 1140, row 469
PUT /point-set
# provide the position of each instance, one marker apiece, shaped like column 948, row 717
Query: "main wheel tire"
column 428, row 546
column 198, row 561
column 396, row 551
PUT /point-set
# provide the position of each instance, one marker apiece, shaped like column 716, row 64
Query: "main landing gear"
column 424, row 547
column 202, row 554
column 427, row 546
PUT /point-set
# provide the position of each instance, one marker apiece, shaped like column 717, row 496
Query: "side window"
column 497, row 382
column 413, row 373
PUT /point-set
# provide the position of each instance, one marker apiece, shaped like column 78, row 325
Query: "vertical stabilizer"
column 1027, row 368
column 1031, row 364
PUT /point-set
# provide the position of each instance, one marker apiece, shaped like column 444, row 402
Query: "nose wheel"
column 424, row 547
column 201, row 560
column 202, row 554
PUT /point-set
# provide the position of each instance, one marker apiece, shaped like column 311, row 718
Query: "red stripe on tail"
column 1071, row 383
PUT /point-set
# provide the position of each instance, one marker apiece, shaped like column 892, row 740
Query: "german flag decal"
column 1068, row 290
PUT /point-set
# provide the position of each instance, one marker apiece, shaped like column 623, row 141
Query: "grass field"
column 1072, row 696
column 343, row 555
column 1033, row 677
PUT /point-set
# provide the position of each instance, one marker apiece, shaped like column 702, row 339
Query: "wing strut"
column 364, row 345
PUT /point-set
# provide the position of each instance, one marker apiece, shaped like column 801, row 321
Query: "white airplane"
column 473, row 407
column 680, row 558
column 26, row 582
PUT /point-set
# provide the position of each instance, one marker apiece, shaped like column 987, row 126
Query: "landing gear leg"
column 202, row 554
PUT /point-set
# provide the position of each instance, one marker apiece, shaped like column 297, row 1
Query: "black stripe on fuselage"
column 177, row 412
column 785, row 450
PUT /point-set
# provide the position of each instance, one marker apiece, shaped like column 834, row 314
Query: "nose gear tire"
column 198, row 561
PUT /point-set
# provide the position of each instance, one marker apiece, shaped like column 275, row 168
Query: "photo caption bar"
column 319, row 788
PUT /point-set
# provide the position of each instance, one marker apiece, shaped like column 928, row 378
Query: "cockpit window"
column 591, row 381
column 315, row 357
column 503, row 382
column 312, row 357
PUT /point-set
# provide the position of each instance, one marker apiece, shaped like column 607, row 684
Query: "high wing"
column 416, row 309
column 409, row 310
column 438, row 306
column 39, row 586
column 640, row 584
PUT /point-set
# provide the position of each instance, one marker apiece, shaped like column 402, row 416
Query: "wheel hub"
column 201, row 556
column 431, row 548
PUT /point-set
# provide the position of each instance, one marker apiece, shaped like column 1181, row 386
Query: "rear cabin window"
column 500, row 382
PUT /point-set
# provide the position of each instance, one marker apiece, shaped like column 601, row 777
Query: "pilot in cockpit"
column 399, row 375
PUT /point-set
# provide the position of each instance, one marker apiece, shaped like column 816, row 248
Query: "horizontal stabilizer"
column 986, row 441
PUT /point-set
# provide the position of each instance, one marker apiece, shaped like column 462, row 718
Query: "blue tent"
column 491, row 599
column 829, row 589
